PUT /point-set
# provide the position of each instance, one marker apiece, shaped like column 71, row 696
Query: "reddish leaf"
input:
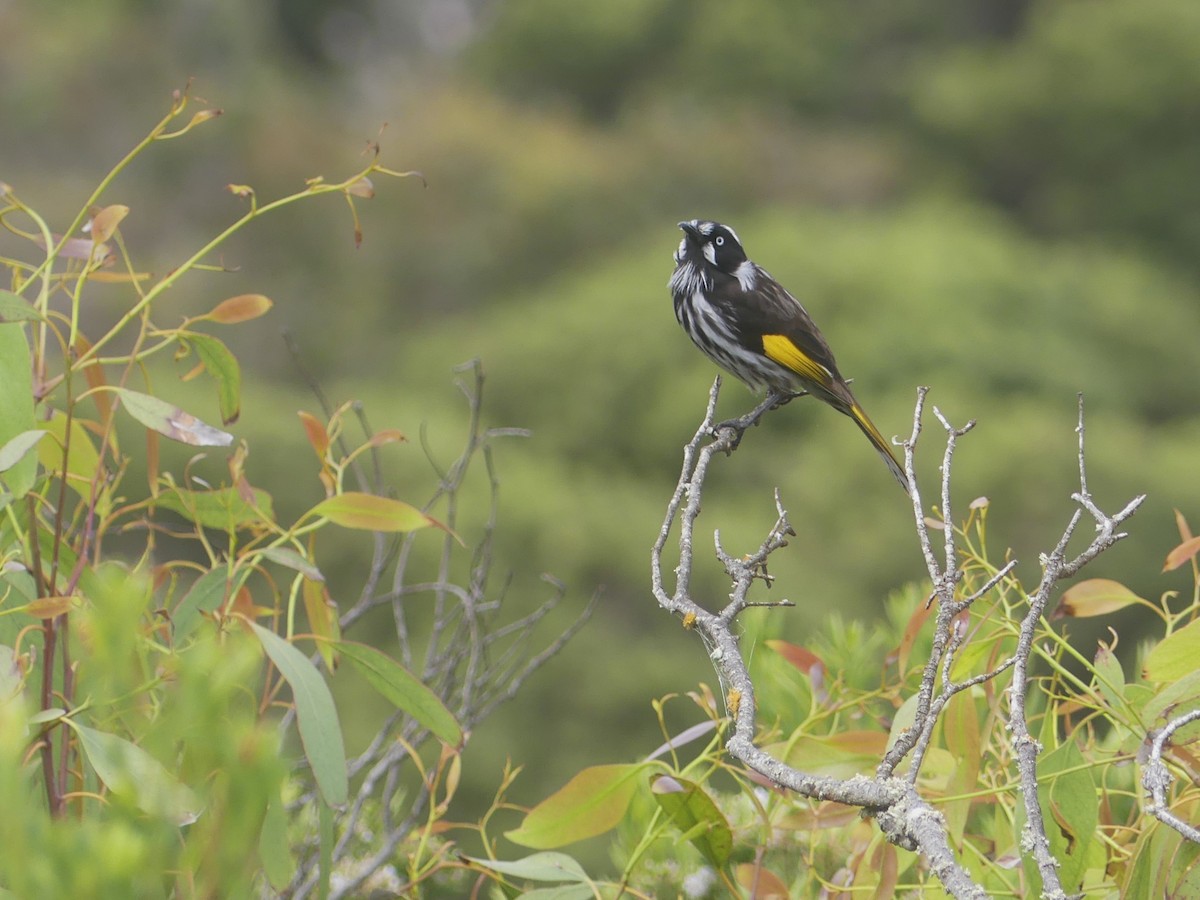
column 387, row 436
column 916, row 622
column 1185, row 533
column 318, row 437
column 760, row 883
column 800, row 657
column 1182, row 554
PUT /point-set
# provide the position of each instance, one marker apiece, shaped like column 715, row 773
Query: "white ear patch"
column 746, row 274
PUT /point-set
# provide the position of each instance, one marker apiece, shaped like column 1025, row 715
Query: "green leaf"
column 1110, row 678
column 562, row 892
column 1068, row 799
column 695, row 814
column 14, row 308
column 371, row 513
column 171, row 421
column 223, row 509
column 1171, row 699
column 591, row 803
column 1174, row 656
column 223, row 366
column 325, row 855
column 16, row 403
column 83, row 463
column 403, row 690
column 207, row 593
column 961, row 733
column 316, row 715
column 273, row 848
column 130, row 771
column 286, row 556
column 18, row 446
column 536, row 867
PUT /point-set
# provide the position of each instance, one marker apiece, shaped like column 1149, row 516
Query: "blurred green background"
column 995, row 198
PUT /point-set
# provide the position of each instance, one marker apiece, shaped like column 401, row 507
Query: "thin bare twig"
column 904, row 816
column 467, row 655
column 1156, row 778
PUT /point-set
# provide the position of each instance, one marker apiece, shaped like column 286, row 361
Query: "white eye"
column 720, row 241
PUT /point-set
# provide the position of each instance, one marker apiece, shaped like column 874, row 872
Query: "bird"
column 752, row 327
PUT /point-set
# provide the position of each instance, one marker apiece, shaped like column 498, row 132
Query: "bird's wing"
column 789, row 335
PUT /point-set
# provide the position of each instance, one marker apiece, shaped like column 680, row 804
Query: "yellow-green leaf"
column 545, row 866
column 1096, row 597
column 14, row 308
column 16, row 403
column 49, row 607
column 1174, row 656
column 371, row 513
column 18, row 446
column 591, row 803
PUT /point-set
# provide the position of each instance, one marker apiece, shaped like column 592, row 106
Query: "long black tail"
column 885, row 450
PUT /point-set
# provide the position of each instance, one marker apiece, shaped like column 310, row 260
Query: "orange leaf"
column 760, row 883
column 317, row 435
column 241, row 308
column 1182, row 553
column 916, row 622
column 1185, row 533
column 94, row 373
column 105, row 222
column 387, row 436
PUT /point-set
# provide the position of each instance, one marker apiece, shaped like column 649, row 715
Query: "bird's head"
column 710, row 243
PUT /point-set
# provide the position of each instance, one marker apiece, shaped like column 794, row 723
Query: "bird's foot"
column 738, row 426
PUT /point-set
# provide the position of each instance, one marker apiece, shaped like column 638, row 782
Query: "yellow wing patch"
column 782, row 350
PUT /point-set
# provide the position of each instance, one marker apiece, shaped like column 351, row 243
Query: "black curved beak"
column 690, row 229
